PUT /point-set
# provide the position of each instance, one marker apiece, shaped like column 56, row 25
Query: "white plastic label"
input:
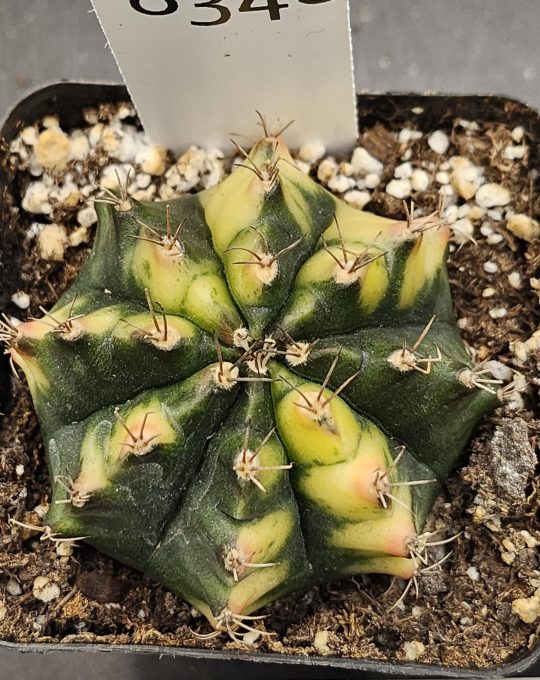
column 198, row 70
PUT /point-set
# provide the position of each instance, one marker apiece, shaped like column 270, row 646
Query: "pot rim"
column 68, row 98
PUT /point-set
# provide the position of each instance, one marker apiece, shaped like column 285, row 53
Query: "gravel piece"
column 13, row 587
column 64, row 549
column 498, row 370
column 52, row 242
column 36, row 198
column 152, row 160
column 463, row 230
column 514, row 279
column 413, row 650
column 251, row 637
column 78, row 236
column 407, row 135
column 79, row 146
column 29, row 135
column 512, row 461
column 473, row 573
column 327, row 169
column 465, row 177
column 514, row 153
column 490, row 195
column 86, row 217
column 517, row 134
column 523, row 227
column 527, row 608
column 44, row 589
column 320, row 642
column 442, row 177
column 340, row 183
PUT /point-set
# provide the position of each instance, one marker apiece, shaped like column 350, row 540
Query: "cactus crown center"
column 225, row 375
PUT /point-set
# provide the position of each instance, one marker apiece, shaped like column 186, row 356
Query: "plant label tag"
column 198, row 70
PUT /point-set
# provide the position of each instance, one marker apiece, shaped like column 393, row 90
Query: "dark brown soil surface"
column 463, row 615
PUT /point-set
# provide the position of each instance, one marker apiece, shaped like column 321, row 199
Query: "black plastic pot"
column 136, row 662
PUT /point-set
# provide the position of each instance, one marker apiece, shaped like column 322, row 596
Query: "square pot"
column 90, row 662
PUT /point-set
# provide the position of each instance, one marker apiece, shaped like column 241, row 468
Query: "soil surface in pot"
column 481, row 605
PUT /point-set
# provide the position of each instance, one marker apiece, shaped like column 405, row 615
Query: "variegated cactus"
column 252, row 389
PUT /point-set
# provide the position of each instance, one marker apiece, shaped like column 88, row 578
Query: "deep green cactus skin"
column 252, row 389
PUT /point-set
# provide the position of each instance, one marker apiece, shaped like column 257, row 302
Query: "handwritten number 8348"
column 221, row 12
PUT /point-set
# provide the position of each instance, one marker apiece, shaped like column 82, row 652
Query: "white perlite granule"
column 439, row 142
column 21, row 299
column 419, row 180
column 403, row 171
column 311, row 153
column 491, row 267
column 399, row 188
column 473, row 573
column 364, row 163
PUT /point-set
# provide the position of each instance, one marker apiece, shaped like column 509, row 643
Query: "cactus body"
column 252, row 389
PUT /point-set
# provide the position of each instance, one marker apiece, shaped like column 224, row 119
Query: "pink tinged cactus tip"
column 77, row 496
column 238, row 564
column 383, row 485
column 69, row 330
